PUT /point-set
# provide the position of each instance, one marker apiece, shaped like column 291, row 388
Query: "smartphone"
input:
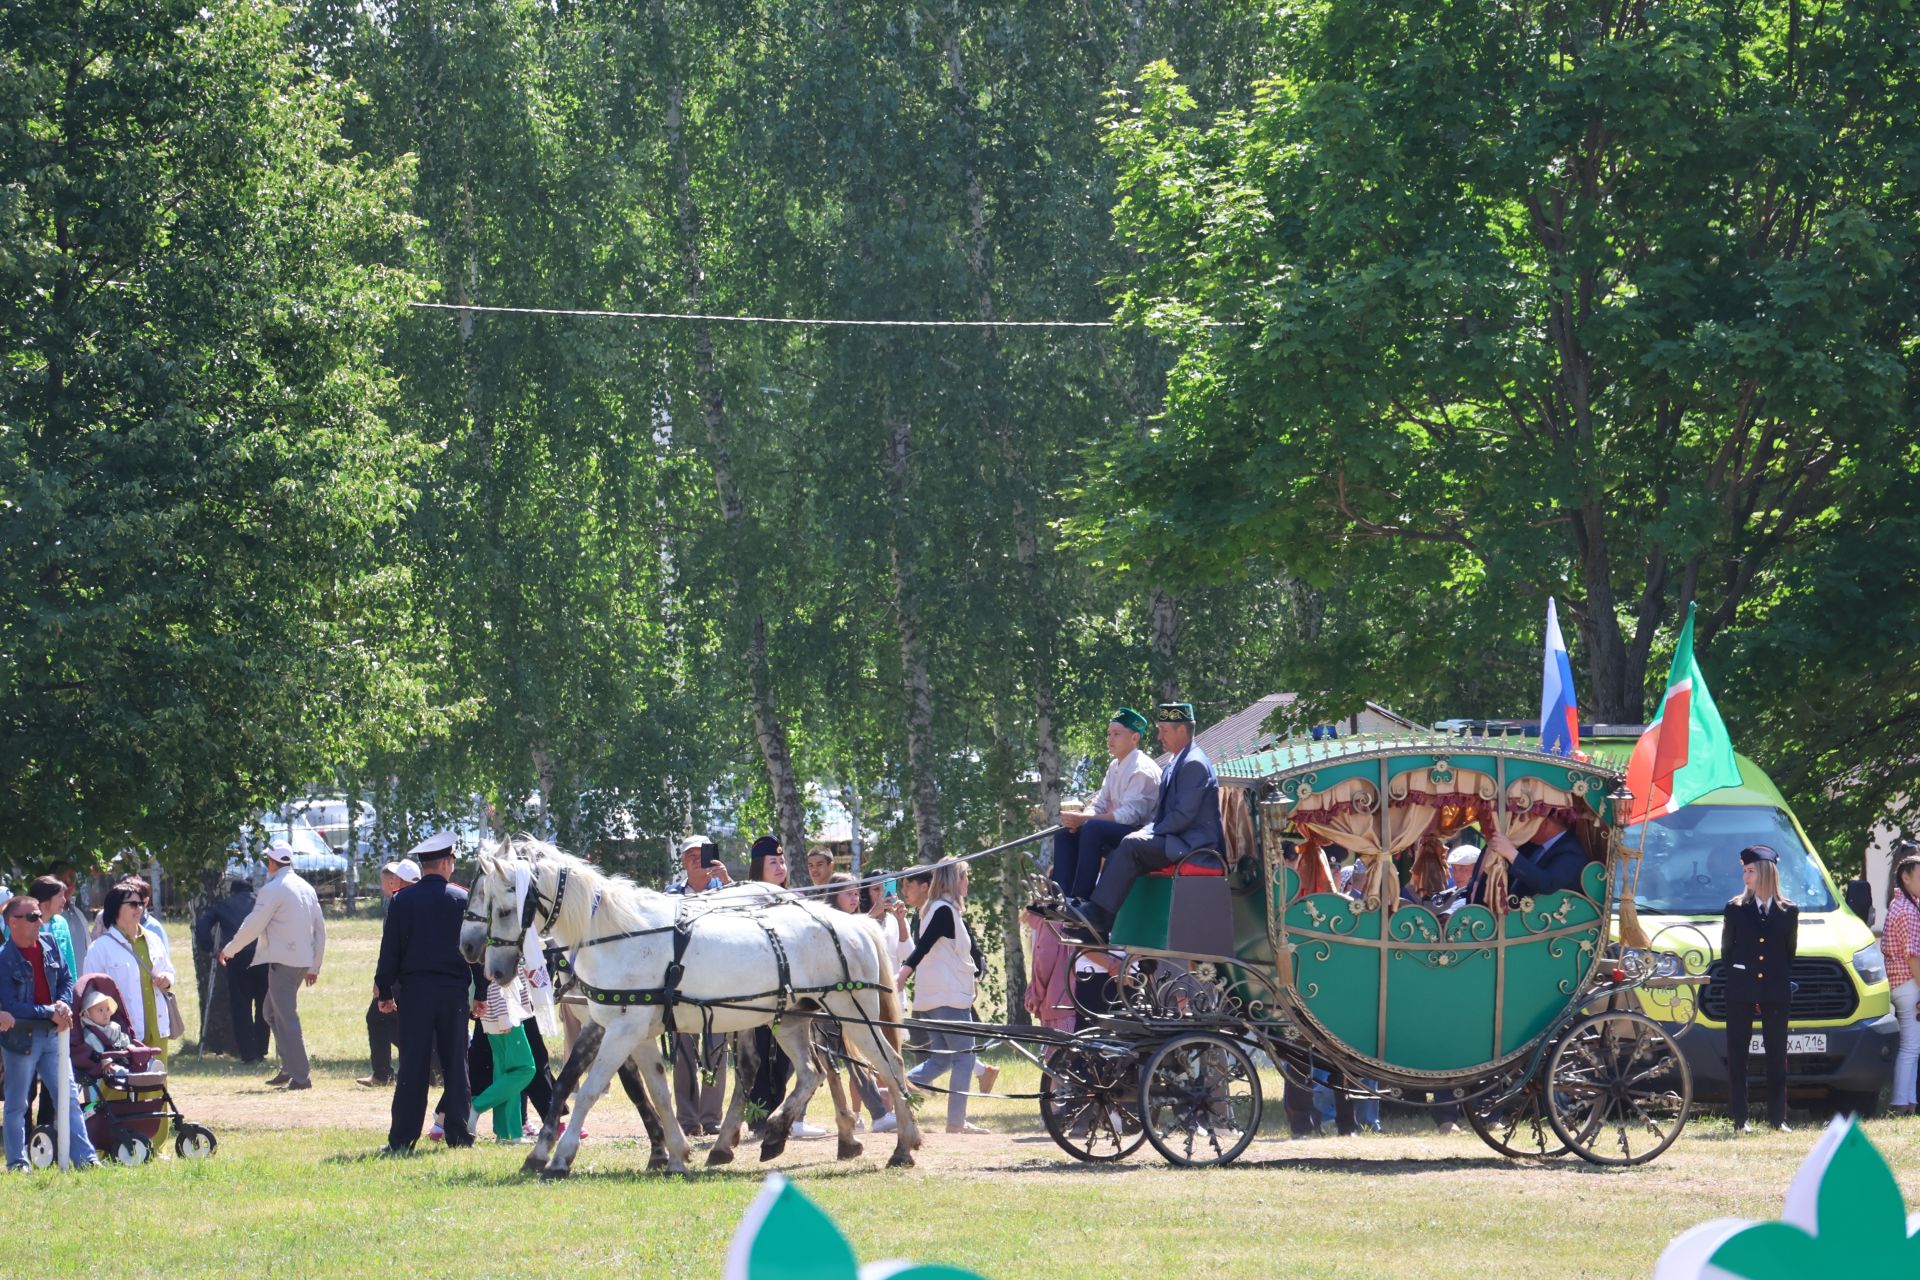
column 893, row 888
column 710, row 855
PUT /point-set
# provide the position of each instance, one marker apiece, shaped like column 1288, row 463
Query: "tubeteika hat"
column 1758, row 853
column 1128, row 718
column 1174, row 713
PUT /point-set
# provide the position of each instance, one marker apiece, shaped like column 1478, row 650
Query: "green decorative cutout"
column 786, row 1236
column 1844, row 1216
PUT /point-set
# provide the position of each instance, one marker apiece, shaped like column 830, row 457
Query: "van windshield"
column 1693, row 859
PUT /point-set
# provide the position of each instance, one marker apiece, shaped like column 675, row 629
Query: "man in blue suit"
column 1186, row 817
column 1550, row 862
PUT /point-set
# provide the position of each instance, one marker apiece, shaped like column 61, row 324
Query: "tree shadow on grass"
column 1148, row 1160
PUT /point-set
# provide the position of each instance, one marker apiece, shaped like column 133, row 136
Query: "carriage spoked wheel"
column 1200, row 1099
column 1620, row 1090
column 194, row 1142
column 1090, row 1104
column 41, row 1151
column 1517, row 1125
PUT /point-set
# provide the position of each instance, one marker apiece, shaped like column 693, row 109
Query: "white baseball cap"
column 280, row 853
column 1465, row 856
column 693, row 842
column 404, row 869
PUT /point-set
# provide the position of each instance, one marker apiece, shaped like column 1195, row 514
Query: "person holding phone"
column 699, row 1106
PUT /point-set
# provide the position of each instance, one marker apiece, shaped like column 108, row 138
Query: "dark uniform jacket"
column 220, row 921
column 1758, row 953
column 420, row 945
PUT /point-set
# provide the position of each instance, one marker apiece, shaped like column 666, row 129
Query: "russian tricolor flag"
column 1559, row 715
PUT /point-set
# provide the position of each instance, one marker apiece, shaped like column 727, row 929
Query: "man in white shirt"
column 292, row 937
column 1124, row 802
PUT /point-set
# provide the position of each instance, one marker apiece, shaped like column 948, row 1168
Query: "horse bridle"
column 536, row 902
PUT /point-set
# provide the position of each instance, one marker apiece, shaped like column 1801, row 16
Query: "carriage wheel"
column 1516, row 1125
column 132, row 1150
column 194, row 1142
column 1089, row 1102
column 1621, row 1091
column 41, row 1151
column 1200, row 1098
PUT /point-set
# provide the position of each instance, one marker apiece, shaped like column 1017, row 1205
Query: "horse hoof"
column 770, row 1150
column 718, row 1156
column 850, row 1147
column 551, row 1174
column 533, row 1164
column 657, row 1161
column 900, row 1160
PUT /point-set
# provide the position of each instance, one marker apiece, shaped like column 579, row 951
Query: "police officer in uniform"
column 1760, row 932
column 422, row 976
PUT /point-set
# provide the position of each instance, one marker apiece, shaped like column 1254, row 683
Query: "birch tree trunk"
column 915, row 681
column 1031, row 613
column 769, row 727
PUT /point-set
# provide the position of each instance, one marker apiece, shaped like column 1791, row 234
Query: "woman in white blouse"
column 137, row 960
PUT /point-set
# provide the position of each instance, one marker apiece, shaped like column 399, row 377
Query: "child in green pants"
column 506, row 1010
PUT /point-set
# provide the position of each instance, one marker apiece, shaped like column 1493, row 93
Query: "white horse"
column 742, row 963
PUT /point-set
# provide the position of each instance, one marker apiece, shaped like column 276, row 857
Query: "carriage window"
column 1693, row 859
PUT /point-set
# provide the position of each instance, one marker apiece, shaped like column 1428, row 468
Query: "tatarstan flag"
column 1685, row 752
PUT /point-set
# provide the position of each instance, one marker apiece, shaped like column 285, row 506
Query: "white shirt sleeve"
column 1138, row 791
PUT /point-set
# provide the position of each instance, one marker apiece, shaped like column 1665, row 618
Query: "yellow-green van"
column 1842, row 1036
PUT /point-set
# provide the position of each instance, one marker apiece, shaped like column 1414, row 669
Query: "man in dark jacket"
column 1550, row 862
column 246, row 986
column 36, row 1010
column 1186, row 819
column 423, row 977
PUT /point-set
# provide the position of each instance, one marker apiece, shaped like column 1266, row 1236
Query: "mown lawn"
column 294, row 1191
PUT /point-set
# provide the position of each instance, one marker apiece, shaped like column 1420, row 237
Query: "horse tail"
column 890, row 1013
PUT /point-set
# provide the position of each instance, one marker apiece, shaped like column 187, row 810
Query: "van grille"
column 1825, row 991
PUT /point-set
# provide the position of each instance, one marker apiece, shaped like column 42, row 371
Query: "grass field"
column 294, row 1191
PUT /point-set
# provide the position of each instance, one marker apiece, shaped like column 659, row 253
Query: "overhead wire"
column 818, row 322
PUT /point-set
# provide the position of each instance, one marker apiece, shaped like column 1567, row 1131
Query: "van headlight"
column 1870, row 964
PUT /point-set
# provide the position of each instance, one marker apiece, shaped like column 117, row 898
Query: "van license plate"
column 1802, row 1042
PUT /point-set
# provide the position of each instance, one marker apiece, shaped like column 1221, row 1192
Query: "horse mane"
column 623, row 904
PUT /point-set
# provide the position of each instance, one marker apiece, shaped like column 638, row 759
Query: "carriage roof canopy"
column 1333, row 759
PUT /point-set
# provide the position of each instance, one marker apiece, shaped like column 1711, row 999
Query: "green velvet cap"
column 1128, row 718
column 1174, row 713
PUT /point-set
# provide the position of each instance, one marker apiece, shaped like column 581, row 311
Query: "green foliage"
column 1608, row 303
column 199, row 485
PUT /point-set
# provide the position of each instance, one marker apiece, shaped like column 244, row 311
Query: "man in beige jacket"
column 292, row 937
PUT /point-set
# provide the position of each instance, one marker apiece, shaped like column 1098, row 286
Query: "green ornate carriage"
column 1527, row 1012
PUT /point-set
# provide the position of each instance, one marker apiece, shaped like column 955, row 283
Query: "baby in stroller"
column 110, row 1049
column 123, row 1086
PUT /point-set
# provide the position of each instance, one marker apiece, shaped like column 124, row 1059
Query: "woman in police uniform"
column 1760, row 931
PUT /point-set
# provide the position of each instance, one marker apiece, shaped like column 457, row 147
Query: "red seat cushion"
column 1189, row 868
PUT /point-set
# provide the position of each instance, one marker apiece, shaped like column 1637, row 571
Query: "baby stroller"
column 125, row 1093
